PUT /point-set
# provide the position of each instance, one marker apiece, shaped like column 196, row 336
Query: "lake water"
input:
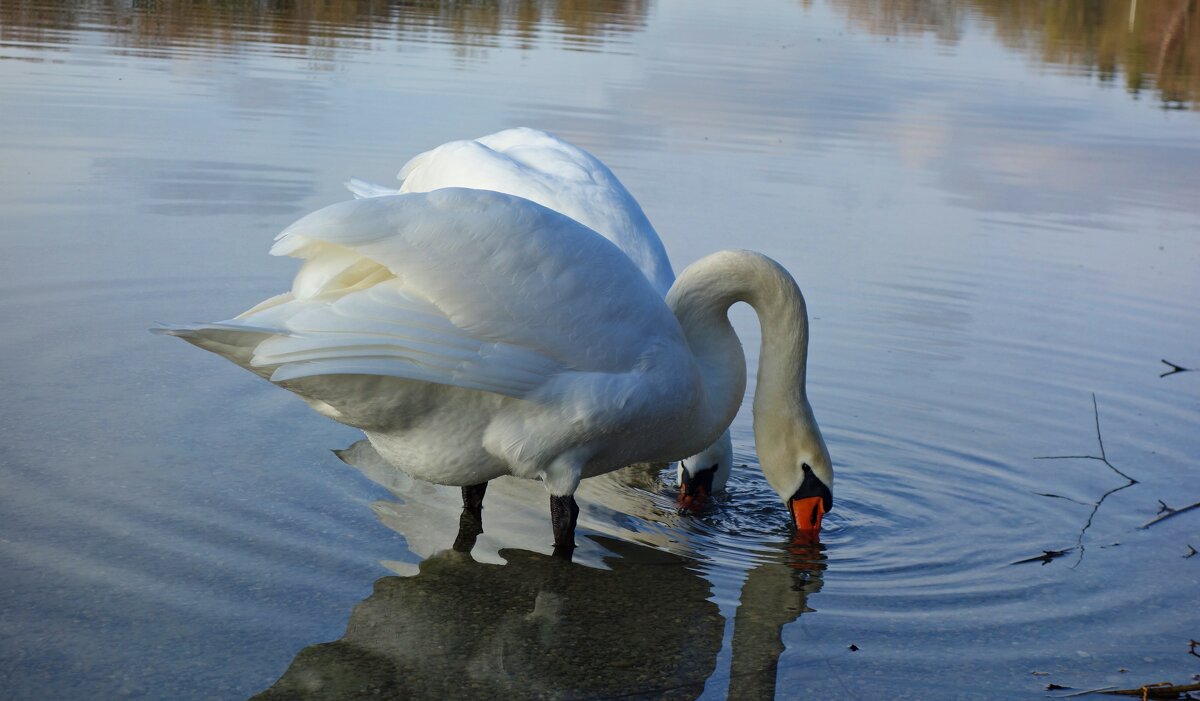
column 993, row 209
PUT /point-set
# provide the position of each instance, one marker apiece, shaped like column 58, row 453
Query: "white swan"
column 472, row 334
column 554, row 173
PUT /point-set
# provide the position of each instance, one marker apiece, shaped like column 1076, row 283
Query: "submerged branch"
column 1174, row 368
column 1161, row 690
column 1045, row 557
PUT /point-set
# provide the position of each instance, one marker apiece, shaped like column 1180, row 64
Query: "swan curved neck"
column 705, row 291
column 700, row 299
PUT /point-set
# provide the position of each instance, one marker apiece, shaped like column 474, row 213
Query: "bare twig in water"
column 1191, row 553
column 1174, row 368
column 1045, row 557
column 1161, row 690
column 1085, row 692
column 1102, row 457
column 1165, row 512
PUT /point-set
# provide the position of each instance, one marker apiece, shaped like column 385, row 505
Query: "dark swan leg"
column 473, row 497
column 564, row 512
column 470, row 523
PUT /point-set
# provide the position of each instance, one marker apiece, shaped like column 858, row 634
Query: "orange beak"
column 808, row 512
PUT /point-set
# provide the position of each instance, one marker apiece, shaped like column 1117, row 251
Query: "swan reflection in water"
column 774, row 594
column 525, row 624
column 537, row 627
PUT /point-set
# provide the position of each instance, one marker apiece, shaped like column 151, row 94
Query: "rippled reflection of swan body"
column 545, row 169
column 472, row 334
column 456, row 619
column 534, row 628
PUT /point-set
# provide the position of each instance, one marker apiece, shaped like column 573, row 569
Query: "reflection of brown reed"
column 1172, row 35
column 1149, row 42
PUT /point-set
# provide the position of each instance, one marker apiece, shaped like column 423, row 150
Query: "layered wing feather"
column 459, row 287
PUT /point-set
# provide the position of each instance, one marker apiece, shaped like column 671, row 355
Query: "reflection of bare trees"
column 1150, row 44
column 324, row 23
column 894, row 17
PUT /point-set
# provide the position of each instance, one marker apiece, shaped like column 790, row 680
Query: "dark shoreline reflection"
column 536, row 627
column 1150, row 45
column 323, row 24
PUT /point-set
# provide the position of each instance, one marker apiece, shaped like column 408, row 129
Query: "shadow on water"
column 640, row 623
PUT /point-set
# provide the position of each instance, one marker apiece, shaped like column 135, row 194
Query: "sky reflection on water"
column 991, row 207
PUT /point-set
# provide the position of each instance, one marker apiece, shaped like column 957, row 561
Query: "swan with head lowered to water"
column 541, row 167
column 472, row 334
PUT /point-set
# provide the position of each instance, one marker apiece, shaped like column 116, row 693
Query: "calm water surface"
column 993, row 209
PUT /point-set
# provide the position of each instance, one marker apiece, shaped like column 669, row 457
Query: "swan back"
column 540, row 167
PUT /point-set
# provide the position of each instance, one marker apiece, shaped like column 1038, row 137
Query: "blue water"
column 994, row 217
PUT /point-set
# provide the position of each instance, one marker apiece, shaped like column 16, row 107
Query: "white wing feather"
column 483, row 291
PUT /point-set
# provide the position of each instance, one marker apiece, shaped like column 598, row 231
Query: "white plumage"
column 470, row 290
column 472, row 334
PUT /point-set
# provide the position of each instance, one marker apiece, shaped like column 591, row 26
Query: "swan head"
column 809, row 503
column 796, row 463
column 705, row 473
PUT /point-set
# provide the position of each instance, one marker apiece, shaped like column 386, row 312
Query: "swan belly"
column 458, row 460
column 589, row 425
